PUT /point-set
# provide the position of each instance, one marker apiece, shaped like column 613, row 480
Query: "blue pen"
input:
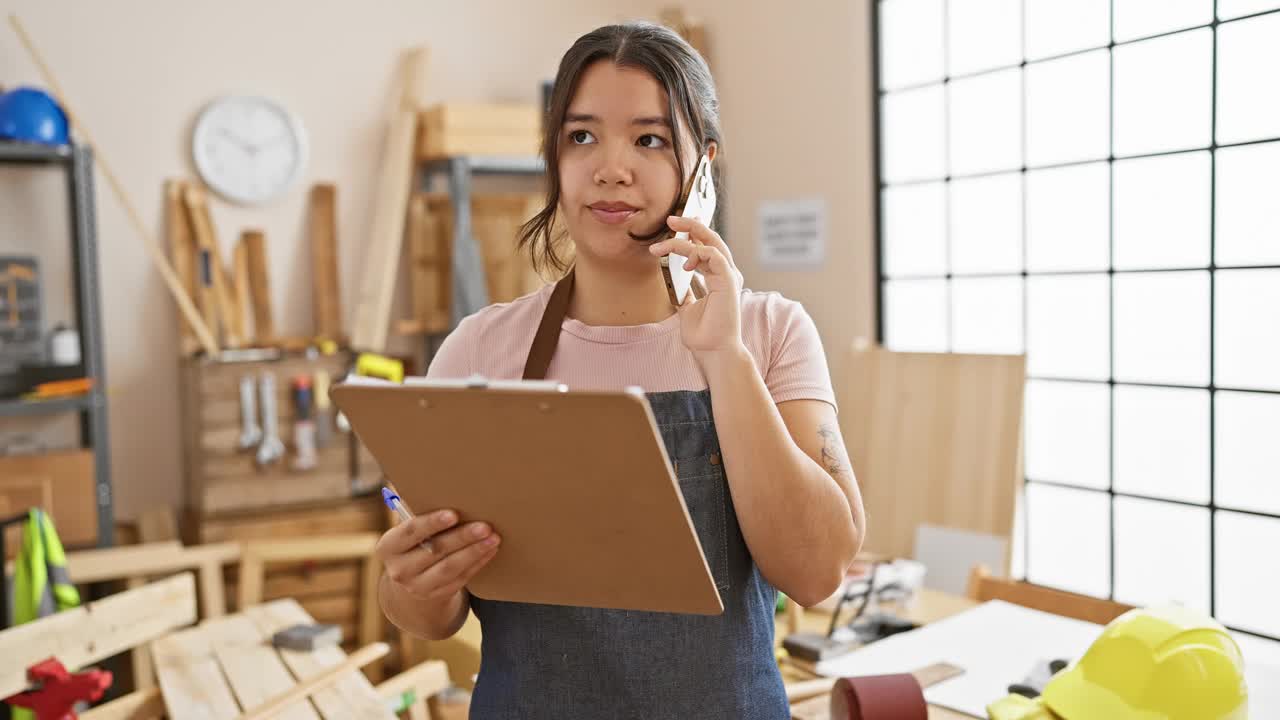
column 394, row 502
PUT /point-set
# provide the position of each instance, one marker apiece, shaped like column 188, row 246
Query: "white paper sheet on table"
column 997, row 643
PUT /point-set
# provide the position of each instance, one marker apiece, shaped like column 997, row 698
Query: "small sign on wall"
column 793, row 233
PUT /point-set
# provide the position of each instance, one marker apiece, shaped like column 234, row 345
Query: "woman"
column 738, row 384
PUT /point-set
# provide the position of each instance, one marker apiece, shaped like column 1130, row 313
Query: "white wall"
column 138, row 71
column 797, row 94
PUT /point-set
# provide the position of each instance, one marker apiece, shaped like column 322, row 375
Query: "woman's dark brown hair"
column 692, row 106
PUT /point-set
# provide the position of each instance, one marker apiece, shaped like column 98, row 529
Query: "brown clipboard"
column 577, row 483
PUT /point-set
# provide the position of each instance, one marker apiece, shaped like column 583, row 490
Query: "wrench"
column 271, row 449
column 250, row 433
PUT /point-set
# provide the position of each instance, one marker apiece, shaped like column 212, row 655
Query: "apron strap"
column 548, row 336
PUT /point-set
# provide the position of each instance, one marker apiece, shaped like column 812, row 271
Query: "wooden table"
column 228, row 664
column 929, row 606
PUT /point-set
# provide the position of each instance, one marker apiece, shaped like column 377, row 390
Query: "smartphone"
column 700, row 205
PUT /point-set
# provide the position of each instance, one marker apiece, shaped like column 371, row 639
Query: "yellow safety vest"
column 41, row 583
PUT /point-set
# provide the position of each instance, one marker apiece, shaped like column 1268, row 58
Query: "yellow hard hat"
column 1157, row 663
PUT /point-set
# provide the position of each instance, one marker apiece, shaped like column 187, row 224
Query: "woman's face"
column 618, row 169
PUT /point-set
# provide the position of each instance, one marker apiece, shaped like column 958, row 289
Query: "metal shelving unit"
column 77, row 162
column 469, row 289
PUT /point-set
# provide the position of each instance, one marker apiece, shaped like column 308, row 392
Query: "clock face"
column 248, row 149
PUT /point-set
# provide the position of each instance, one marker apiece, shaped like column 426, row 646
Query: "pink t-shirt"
column 778, row 333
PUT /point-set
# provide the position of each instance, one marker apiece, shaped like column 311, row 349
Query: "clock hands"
column 237, row 141
column 258, row 147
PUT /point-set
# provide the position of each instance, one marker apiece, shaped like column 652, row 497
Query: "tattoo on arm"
column 831, row 449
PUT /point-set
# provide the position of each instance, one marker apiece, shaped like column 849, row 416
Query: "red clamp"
column 57, row 691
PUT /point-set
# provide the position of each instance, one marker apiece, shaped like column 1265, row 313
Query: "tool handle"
column 267, row 393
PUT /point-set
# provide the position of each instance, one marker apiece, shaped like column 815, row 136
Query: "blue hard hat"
column 31, row 115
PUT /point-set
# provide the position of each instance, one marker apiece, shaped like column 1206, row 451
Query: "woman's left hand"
column 714, row 323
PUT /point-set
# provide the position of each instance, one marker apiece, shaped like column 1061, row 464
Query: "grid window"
column 1228, row 9
column 1080, row 411
column 1246, row 455
column 986, row 225
column 915, row 227
column 1248, row 55
column 985, row 128
column 1161, row 214
column 1162, row 553
column 914, row 135
column 1054, row 27
column 1248, row 216
column 916, row 315
column 986, row 315
column 1162, row 90
column 1094, row 183
column 1068, row 544
column 983, row 34
column 1162, row 327
column 1245, row 597
column 1068, row 106
column 1162, row 443
column 1067, row 217
column 1142, row 18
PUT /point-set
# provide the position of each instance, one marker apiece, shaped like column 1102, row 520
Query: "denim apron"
column 569, row 663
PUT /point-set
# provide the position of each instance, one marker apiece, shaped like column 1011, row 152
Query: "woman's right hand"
column 431, row 558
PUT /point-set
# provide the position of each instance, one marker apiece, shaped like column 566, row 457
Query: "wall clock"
column 248, row 149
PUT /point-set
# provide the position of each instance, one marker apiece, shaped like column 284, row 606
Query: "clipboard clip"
column 480, row 382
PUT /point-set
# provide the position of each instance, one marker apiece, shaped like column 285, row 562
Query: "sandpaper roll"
column 879, row 697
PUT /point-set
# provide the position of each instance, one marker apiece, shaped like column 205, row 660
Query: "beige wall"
column 793, row 79
column 795, row 89
column 138, row 71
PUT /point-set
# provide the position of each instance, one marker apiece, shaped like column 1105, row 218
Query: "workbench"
column 928, row 606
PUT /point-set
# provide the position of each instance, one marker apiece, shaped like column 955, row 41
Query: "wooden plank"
column 253, row 667
column 386, row 233
column 190, row 677
column 145, row 704
column 429, row 268
column 98, row 630
column 157, row 524
column 249, row 580
column 460, row 128
column 212, row 591
column 350, row 698
column 983, row 587
column 212, row 271
column 424, row 680
column 370, row 610
column 325, row 293
column 182, row 250
column 273, row 489
column 353, row 516
column 328, row 547
column 144, row 673
column 89, row 566
column 336, row 609
column 240, row 283
column 322, row 580
column 938, row 441
column 358, row 659
column 264, row 323
column 232, row 312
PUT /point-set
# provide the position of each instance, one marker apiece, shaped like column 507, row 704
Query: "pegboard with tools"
column 21, row 320
column 261, row 433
